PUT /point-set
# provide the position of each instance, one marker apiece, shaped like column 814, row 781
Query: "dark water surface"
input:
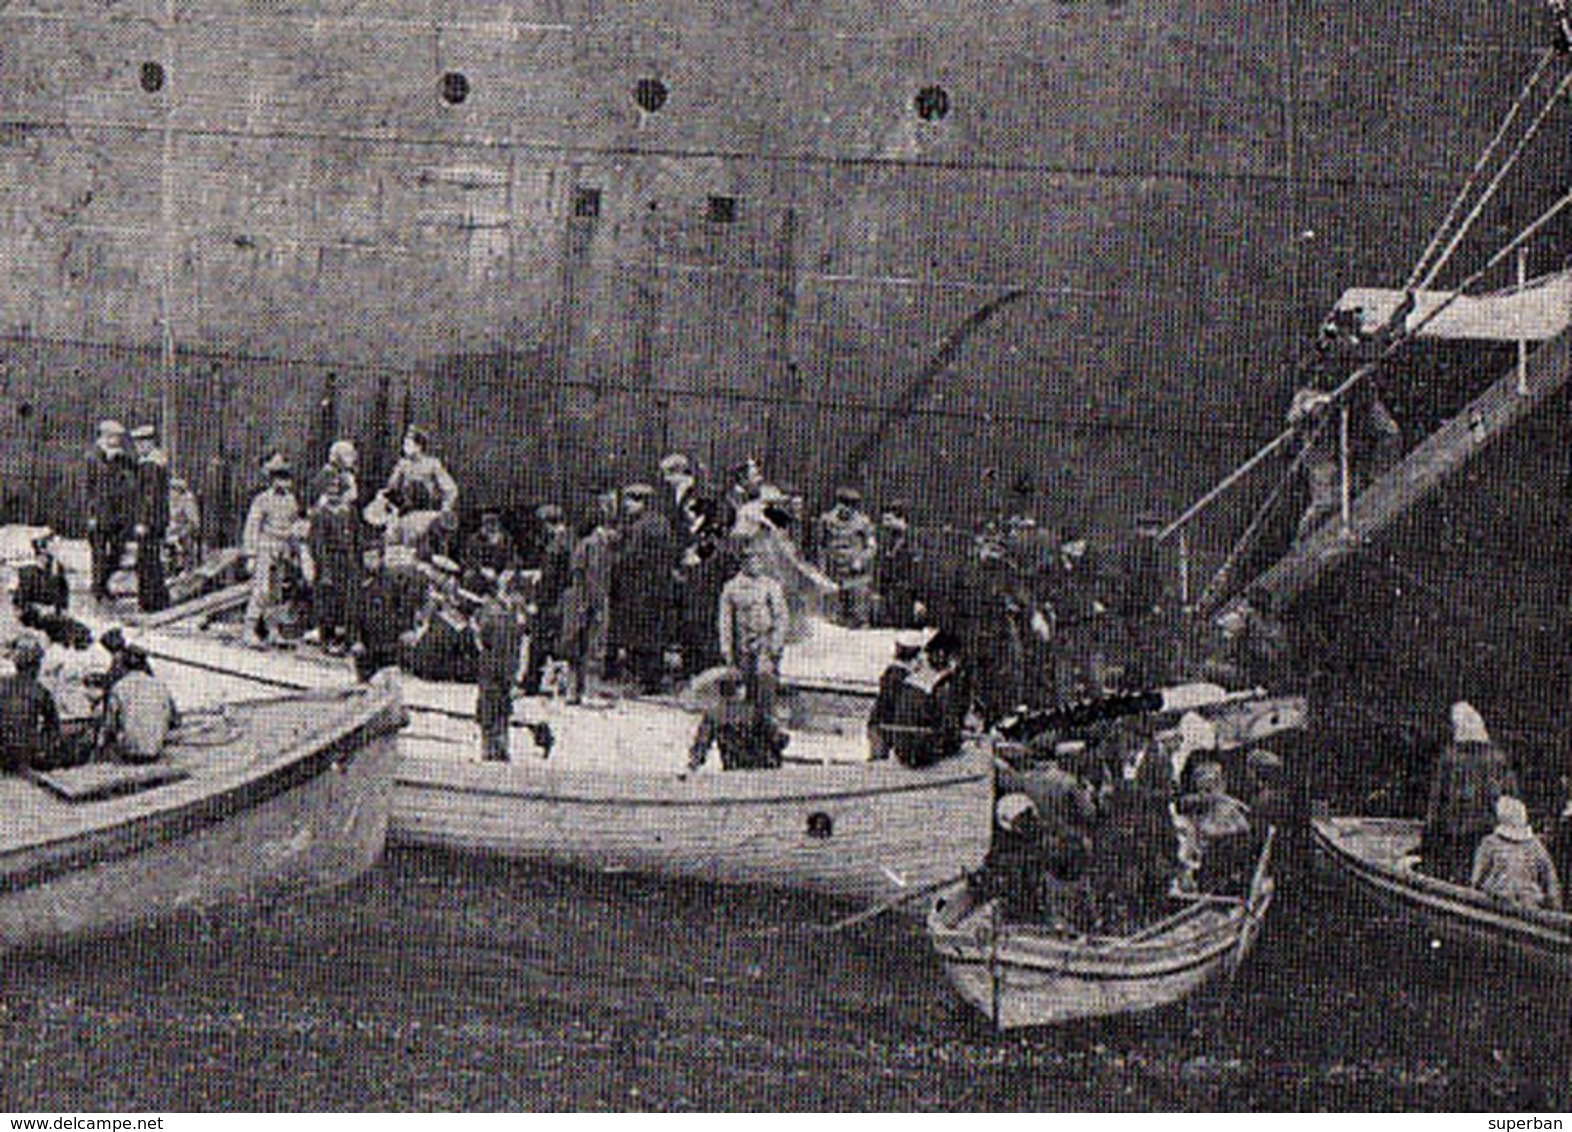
column 446, row 982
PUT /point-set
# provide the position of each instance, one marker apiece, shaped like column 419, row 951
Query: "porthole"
column 722, row 210
column 152, row 77
column 932, row 103
column 455, row 88
column 586, row 202
column 821, row 827
column 650, row 94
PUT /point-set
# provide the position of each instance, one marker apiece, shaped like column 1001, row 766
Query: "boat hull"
column 1374, row 856
column 316, row 818
column 869, row 832
column 1023, row 975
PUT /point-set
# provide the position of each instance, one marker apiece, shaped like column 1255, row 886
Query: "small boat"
column 248, row 803
column 1378, row 857
column 1022, row 974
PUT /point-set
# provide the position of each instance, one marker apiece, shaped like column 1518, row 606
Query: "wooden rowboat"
column 1031, row 975
column 247, row 804
column 1378, row 857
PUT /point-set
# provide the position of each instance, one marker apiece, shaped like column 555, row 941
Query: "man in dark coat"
column 642, row 585
column 546, row 620
column 43, row 593
column 111, row 503
column 491, row 547
column 499, row 639
column 335, row 540
column 895, row 572
column 930, row 711
column 388, row 601
column 152, row 519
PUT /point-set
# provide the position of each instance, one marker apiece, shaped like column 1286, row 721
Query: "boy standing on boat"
column 499, row 637
column 753, row 622
column 267, row 541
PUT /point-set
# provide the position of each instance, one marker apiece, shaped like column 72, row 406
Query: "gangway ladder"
column 1446, row 451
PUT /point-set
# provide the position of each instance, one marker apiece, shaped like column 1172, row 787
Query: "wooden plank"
column 216, row 602
column 1440, row 456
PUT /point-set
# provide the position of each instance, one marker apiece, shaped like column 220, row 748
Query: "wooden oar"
column 890, row 905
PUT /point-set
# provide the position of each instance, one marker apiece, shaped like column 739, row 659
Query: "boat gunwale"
column 1332, row 836
column 137, row 831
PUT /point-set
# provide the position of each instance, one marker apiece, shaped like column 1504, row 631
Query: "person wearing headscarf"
column 1471, row 773
column 1512, row 865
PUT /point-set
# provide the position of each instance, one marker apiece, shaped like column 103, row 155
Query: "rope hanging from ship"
column 1396, row 332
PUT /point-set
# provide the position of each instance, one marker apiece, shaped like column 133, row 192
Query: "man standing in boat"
column 753, row 623
column 847, row 547
column 423, row 494
column 1471, row 774
column 268, row 540
column 641, row 592
column 111, row 503
column 546, row 612
column 152, row 519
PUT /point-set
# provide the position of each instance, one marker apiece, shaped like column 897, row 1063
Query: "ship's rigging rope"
column 1477, row 171
column 1424, row 273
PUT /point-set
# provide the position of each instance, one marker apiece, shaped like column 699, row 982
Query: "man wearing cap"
column 29, row 720
column 423, row 494
column 152, row 519
column 908, row 650
column 268, row 540
column 641, row 596
column 546, row 609
column 111, row 503
column 930, row 711
column 847, row 545
column 43, row 594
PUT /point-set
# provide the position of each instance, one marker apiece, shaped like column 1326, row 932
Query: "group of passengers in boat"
column 1098, row 835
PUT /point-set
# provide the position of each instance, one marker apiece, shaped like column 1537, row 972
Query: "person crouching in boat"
column 908, row 651
column 746, row 741
column 29, row 719
column 1471, row 773
column 930, row 711
column 1512, row 864
column 43, row 594
column 139, row 712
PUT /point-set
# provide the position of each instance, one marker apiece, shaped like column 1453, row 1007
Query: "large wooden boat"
column 248, row 803
column 614, row 791
column 1378, row 857
column 1021, row 974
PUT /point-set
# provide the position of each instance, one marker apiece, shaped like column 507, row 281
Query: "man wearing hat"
column 546, row 609
column 847, row 546
column 1512, row 865
column 152, row 519
column 111, row 503
column 29, row 720
column 641, row 588
column 268, row 540
column 43, row 593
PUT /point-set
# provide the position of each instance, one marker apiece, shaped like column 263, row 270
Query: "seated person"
column 139, row 713
column 1064, row 805
column 746, row 742
column 43, row 594
column 442, row 646
column 1214, row 832
column 1016, row 867
column 29, row 720
column 908, row 648
column 929, row 712
column 1511, row 864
